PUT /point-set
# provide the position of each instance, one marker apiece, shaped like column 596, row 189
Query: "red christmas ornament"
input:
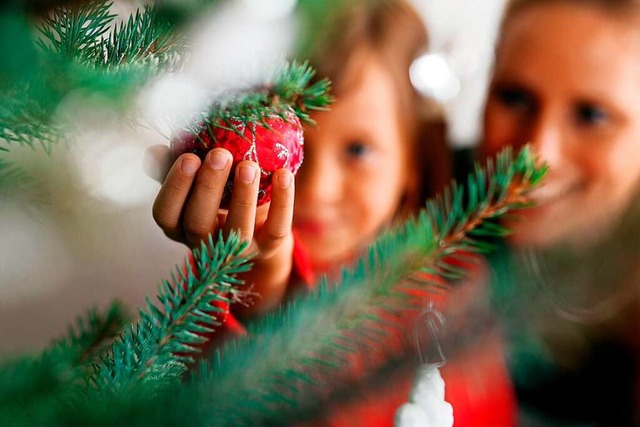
column 274, row 147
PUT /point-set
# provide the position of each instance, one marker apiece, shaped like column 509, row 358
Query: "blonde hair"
column 393, row 32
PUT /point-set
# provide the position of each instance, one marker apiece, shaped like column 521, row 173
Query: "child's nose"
column 545, row 137
column 318, row 182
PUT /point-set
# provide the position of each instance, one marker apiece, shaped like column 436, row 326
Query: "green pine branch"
column 36, row 390
column 75, row 31
column 289, row 362
column 84, row 32
column 293, row 86
column 290, row 88
column 131, row 374
column 77, row 52
column 157, row 349
column 73, row 54
column 143, row 38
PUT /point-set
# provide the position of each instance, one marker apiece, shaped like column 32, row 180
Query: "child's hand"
column 187, row 210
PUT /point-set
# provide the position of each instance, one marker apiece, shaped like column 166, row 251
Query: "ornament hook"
column 431, row 323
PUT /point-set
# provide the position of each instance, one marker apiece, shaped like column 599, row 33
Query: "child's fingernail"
column 189, row 166
column 218, row 160
column 247, row 174
column 284, row 180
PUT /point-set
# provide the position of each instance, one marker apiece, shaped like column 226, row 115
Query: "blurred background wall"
column 83, row 235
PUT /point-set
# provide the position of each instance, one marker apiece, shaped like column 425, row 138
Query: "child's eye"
column 357, row 149
column 515, row 98
column 590, row 114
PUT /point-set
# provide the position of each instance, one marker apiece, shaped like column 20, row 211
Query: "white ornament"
column 426, row 406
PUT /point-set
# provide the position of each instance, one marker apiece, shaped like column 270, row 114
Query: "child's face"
column 356, row 168
column 567, row 80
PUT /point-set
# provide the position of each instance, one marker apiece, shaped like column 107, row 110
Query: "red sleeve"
column 302, row 272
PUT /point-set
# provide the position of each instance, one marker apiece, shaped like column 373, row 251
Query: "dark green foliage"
column 27, row 123
column 81, row 33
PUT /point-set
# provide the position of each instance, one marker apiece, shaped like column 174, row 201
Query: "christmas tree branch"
column 139, row 364
column 39, row 386
column 75, row 31
column 144, row 38
column 293, row 358
column 158, row 347
column 292, row 86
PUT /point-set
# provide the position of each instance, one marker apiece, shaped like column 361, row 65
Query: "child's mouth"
column 311, row 227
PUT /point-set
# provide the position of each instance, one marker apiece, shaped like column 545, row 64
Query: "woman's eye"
column 357, row 149
column 514, row 98
column 589, row 114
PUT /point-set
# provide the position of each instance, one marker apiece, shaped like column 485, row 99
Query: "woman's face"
column 356, row 168
column 567, row 81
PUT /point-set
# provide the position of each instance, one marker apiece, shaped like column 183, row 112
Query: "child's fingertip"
column 284, row 178
column 189, row 166
column 247, row 172
column 218, row 159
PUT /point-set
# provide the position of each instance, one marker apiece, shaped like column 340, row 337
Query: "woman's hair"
column 392, row 31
